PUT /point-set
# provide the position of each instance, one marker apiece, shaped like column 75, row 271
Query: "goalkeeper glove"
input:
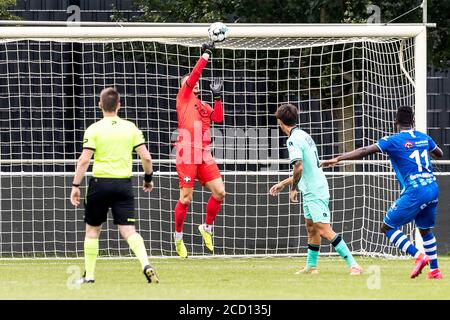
column 216, row 88
column 207, row 47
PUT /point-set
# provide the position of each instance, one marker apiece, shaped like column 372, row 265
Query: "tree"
column 438, row 12
column 4, row 13
column 306, row 11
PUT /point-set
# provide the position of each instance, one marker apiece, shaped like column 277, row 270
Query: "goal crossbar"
column 200, row 30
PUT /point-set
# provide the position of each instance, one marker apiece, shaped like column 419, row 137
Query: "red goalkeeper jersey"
column 194, row 115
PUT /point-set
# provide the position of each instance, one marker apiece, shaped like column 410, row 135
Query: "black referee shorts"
column 105, row 193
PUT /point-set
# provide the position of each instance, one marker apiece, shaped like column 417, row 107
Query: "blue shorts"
column 418, row 204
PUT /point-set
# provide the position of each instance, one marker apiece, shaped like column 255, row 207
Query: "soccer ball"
column 217, row 32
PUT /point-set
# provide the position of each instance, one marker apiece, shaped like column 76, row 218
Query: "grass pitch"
column 221, row 278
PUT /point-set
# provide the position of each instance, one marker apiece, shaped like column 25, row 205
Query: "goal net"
column 347, row 88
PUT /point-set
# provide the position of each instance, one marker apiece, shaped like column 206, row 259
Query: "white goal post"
column 347, row 81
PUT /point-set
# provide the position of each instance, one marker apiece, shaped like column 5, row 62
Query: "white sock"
column 208, row 228
column 178, row 236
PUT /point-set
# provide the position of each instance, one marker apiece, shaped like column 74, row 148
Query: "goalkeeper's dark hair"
column 288, row 114
column 109, row 99
column 405, row 116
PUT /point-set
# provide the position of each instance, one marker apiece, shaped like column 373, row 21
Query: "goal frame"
column 59, row 31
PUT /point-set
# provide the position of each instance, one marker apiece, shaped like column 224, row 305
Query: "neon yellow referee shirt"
column 113, row 141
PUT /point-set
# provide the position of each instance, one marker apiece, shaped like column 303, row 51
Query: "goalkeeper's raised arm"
column 189, row 83
column 216, row 88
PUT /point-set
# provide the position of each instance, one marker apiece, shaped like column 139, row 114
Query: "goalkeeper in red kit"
column 193, row 152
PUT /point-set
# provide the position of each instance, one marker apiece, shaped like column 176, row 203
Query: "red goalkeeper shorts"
column 204, row 172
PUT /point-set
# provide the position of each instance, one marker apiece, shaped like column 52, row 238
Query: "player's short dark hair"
column 109, row 99
column 288, row 114
column 405, row 116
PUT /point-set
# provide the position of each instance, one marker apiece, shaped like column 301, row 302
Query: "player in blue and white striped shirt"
column 409, row 151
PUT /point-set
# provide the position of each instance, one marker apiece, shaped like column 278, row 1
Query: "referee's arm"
column 82, row 166
column 147, row 165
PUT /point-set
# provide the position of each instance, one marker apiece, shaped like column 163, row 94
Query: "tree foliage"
column 4, row 13
column 438, row 12
column 305, row 11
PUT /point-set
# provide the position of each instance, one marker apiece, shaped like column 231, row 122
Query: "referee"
column 111, row 141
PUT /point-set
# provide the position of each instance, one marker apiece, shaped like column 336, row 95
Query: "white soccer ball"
column 217, row 32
